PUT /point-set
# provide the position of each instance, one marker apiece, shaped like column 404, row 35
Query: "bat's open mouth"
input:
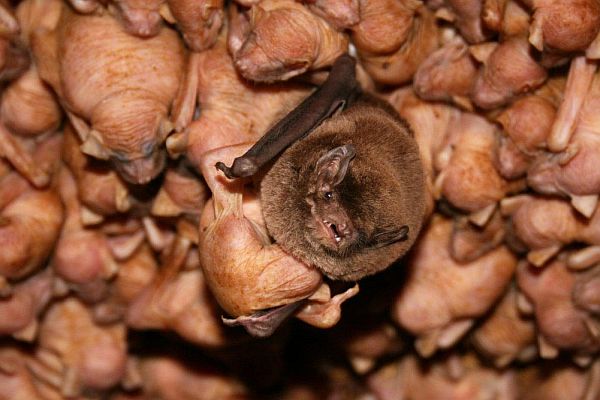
column 332, row 231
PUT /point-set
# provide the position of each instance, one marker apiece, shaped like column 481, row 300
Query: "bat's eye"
column 121, row 156
column 328, row 195
column 148, row 149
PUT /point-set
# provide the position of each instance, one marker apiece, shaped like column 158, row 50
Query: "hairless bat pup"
column 347, row 194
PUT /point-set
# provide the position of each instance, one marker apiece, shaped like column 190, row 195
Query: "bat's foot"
column 264, row 323
column 241, row 168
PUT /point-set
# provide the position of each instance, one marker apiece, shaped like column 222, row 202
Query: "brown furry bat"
column 349, row 198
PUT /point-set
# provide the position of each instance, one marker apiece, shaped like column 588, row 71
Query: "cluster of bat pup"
column 219, row 171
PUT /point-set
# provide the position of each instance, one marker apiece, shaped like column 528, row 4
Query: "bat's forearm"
column 337, row 92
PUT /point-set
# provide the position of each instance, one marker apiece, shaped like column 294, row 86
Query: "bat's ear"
column 386, row 237
column 332, row 166
column 93, row 146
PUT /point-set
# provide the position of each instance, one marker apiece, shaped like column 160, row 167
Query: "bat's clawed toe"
column 388, row 236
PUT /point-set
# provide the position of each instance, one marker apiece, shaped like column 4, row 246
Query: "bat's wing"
column 339, row 89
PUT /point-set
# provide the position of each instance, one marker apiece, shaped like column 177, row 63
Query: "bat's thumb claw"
column 225, row 169
column 241, row 168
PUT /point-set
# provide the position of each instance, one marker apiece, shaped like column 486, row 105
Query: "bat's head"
column 328, row 224
column 131, row 141
column 348, row 200
column 341, row 220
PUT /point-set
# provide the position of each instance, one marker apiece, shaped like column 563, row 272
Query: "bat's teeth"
column 333, row 228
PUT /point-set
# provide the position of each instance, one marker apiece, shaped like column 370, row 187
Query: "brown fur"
column 383, row 189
